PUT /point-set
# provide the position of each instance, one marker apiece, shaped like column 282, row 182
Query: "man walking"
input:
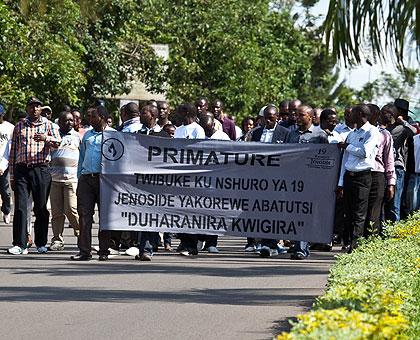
column 64, row 161
column 29, row 174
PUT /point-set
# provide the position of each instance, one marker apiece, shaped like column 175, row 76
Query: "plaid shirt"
column 25, row 150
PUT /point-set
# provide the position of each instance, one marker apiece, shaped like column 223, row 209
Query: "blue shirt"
column 90, row 152
column 132, row 125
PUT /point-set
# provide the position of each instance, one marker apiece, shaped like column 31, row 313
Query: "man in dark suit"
column 271, row 132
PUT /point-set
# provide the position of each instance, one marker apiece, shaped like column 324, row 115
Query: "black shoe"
column 103, row 257
column 297, row 256
column 80, row 257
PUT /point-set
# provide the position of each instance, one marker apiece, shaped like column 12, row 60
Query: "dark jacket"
column 280, row 134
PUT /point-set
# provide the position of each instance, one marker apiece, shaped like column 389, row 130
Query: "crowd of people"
column 61, row 161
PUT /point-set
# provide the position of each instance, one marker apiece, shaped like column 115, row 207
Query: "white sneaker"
column 132, row 251
column 6, row 218
column 57, row 246
column 213, row 250
column 250, row 249
column 16, row 250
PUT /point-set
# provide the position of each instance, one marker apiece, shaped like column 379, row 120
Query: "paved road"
column 231, row 295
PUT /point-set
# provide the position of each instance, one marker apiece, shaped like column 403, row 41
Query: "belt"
column 95, row 174
column 31, row 166
column 358, row 173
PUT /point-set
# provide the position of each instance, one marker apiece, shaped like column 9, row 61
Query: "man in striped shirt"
column 64, row 162
column 29, row 174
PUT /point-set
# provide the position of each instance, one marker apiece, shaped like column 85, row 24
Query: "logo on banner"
column 112, row 149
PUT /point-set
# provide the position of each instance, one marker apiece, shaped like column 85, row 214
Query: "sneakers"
column 298, row 256
column 16, row 250
column 80, row 257
column 132, row 251
column 268, row 252
column 42, row 250
column 249, row 248
column 57, row 246
column 6, row 218
column 213, row 250
column 144, row 257
column 189, row 253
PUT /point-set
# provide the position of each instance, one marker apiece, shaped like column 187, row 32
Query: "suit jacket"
column 279, row 136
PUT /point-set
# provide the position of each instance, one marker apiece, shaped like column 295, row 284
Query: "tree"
column 384, row 24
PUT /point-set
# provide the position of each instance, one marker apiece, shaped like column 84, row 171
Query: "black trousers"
column 375, row 204
column 87, row 197
column 27, row 181
column 356, row 198
column 5, row 193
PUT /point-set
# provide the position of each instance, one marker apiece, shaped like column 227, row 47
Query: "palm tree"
column 382, row 24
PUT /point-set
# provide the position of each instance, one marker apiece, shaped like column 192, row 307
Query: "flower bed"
column 373, row 293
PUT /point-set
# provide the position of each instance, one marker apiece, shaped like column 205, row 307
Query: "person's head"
column 98, row 118
column 347, row 113
column 201, row 104
column 109, row 121
column 374, row 113
column 304, row 117
column 32, row 104
column 293, row 107
column 207, row 123
column 76, row 119
column 271, row 116
column 169, row 129
column 88, row 115
column 359, row 115
column 316, row 116
column 66, row 108
column 22, row 115
column 46, row 112
column 247, row 124
column 148, row 116
column 328, row 120
column 65, row 121
column 163, row 108
column 402, row 106
column 217, row 108
column 284, row 110
column 187, row 113
column 388, row 115
column 152, row 102
column 130, row 111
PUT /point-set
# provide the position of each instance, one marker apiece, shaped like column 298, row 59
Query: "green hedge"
column 373, row 293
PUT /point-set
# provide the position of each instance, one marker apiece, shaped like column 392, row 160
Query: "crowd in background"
column 60, row 161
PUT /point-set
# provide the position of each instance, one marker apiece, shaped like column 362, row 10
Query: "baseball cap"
column 33, row 100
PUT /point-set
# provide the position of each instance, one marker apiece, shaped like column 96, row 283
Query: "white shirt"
column 361, row 151
column 219, row 135
column 190, row 131
column 335, row 138
column 132, row 125
column 267, row 135
column 6, row 131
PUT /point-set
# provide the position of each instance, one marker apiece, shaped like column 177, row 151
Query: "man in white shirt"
column 6, row 131
column 360, row 149
column 190, row 130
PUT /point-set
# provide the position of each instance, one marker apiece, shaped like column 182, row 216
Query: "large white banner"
column 278, row 191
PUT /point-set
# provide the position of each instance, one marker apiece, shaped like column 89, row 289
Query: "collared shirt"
column 312, row 135
column 334, row 137
column 361, row 151
column 384, row 159
column 146, row 131
column 267, row 135
column 90, row 152
column 65, row 158
column 190, row 131
column 343, row 130
column 132, row 125
column 25, row 149
column 219, row 135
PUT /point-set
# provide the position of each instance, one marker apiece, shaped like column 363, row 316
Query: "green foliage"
column 234, row 50
column 373, row 293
